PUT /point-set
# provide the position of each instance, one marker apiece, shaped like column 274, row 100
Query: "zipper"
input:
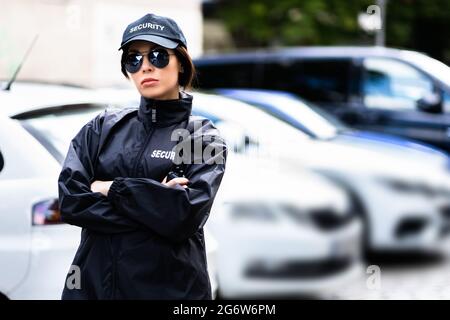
column 114, row 250
column 141, row 152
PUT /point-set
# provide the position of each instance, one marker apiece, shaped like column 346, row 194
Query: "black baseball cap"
column 157, row 29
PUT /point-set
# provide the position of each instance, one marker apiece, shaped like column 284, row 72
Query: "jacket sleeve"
column 175, row 213
column 78, row 204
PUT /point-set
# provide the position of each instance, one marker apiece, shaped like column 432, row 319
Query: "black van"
column 372, row 88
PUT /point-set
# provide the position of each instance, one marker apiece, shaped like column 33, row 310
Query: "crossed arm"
column 103, row 186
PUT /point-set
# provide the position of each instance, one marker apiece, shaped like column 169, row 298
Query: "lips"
column 149, row 80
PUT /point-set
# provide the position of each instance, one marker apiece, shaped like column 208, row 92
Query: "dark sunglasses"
column 157, row 57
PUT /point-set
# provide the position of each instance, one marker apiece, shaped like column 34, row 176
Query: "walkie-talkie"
column 176, row 172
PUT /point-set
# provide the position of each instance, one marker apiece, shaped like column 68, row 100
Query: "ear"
column 180, row 67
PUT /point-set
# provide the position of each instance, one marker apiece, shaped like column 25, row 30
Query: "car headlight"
column 420, row 188
column 326, row 218
column 297, row 214
column 241, row 211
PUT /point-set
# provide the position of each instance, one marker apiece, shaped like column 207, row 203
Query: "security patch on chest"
column 163, row 154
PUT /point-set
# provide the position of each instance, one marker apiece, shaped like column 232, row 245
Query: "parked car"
column 402, row 189
column 283, row 232
column 36, row 250
column 37, row 122
column 400, row 92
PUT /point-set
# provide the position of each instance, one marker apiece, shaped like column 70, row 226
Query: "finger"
column 165, row 180
column 95, row 184
column 180, row 181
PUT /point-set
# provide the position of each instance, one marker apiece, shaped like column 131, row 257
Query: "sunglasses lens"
column 133, row 62
column 159, row 58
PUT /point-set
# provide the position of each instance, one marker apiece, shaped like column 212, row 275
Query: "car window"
column 254, row 122
column 391, row 84
column 55, row 131
column 297, row 113
column 447, row 102
column 235, row 75
column 315, row 80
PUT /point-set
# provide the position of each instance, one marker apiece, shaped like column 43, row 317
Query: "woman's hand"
column 181, row 181
column 101, row 186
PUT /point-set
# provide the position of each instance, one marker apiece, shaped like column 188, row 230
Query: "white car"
column 401, row 191
column 36, row 249
column 282, row 232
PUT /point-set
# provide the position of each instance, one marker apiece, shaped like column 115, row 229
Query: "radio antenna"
column 11, row 81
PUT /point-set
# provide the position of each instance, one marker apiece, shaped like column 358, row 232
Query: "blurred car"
column 37, row 122
column 402, row 189
column 36, row 250
column 380, row 89
column 282, row 232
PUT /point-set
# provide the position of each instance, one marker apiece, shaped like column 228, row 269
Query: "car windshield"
column 432, row 66
column 302, row 115
column 332, row 120
column 55, row 130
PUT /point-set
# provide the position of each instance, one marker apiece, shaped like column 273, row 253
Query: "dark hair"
column 186, row 78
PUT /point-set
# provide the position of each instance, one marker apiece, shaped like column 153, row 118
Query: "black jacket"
column 144, row 240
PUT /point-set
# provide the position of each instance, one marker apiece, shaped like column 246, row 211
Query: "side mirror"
column 431, row 103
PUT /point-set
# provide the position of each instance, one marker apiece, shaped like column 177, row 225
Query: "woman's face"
column 164, row 81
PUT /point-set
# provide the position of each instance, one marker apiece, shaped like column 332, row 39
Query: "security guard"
column 142, row 231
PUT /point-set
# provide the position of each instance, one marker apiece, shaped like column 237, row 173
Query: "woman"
column 142, row 232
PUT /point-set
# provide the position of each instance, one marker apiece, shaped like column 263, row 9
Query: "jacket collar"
column 165, row 112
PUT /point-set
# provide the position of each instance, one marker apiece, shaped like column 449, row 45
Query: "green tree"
column 416, row 24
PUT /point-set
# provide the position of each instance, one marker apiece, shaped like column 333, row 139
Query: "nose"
column 146, row 64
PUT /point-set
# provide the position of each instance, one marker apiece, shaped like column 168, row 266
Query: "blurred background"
column 336, row 113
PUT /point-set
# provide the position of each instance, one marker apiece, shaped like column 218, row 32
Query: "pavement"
column 404, row 278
